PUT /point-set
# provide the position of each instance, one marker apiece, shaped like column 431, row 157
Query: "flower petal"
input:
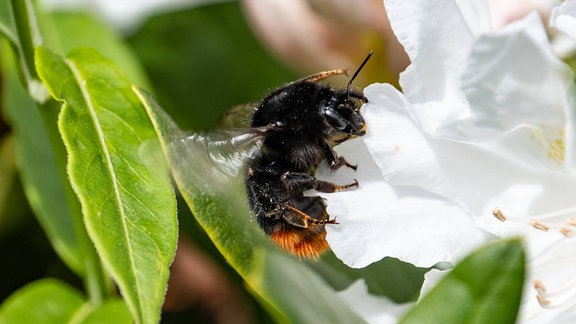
column 437, row 50
column 397, row 145
column 419, row 230
column 501, row 182
column 517, row 86
column 378, row 220
column 564, row 18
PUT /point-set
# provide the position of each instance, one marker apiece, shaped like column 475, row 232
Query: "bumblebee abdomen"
column 293, row 221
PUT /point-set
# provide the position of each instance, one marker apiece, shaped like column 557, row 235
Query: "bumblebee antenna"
column 358, row 71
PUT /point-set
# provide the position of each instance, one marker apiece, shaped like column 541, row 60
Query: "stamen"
column 539, row 225
column 543, row 301
column 566, row 288
column 539, row 286
column 548, row 304
column 561, row 216
column 554, row 220
column 567, row 232
column 496, row 212
column 558, row 298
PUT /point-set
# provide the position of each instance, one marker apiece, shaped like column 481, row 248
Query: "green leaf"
column 206, row 168
column 127, row 199
column 111, row 311
column 51, row 301
column 397, row 280
column 486, row 287
column 37, row 162
column 43, row 301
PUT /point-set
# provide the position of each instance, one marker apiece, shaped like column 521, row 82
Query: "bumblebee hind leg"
column 306, row 237
column 296, row 217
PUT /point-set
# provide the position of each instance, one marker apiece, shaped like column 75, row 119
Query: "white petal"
column 564, row 18
column 438, row 41
column 515, row 84
column 406, row 220
column 431, row 279
column 378, row 220
column 396, row 144
column 373, row 309
column 483, row 180
column 555, row 269
column 476, row 13
column 513, row 77
column 419, row 230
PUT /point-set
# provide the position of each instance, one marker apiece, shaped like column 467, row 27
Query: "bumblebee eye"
column 334, row 118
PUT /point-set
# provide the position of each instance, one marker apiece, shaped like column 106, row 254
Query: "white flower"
column 398, row 210
column 484, row 127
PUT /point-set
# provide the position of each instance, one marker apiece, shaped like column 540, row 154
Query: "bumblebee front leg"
column 298, row 182
column 335, row 162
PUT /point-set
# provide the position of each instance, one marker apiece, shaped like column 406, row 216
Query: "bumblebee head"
column 342, row 111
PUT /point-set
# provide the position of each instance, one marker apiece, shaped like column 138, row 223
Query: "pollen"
column 539, row 286
column 567, row 232
column 543, row 301
column 562, row 297
column 539, row 225
column 496, row 212
column 552, row 141
column 554, row 264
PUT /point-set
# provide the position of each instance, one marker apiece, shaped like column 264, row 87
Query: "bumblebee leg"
column 341, row 161
column 298, row 182
column 300, row 219
column 325, row 186
column 336, row 162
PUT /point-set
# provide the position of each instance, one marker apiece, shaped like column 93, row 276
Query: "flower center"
column 552, row 140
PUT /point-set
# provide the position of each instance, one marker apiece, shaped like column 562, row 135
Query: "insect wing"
column 213, row 161
column 202, row 162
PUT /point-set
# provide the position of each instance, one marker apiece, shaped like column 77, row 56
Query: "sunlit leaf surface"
column 126, row 196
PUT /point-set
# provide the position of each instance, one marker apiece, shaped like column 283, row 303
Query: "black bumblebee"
column 301, row 122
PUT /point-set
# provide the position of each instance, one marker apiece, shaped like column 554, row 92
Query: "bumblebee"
column 303, row 121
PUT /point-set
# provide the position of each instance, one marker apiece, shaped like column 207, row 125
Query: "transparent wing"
column 212, row 161
column 203, row 162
